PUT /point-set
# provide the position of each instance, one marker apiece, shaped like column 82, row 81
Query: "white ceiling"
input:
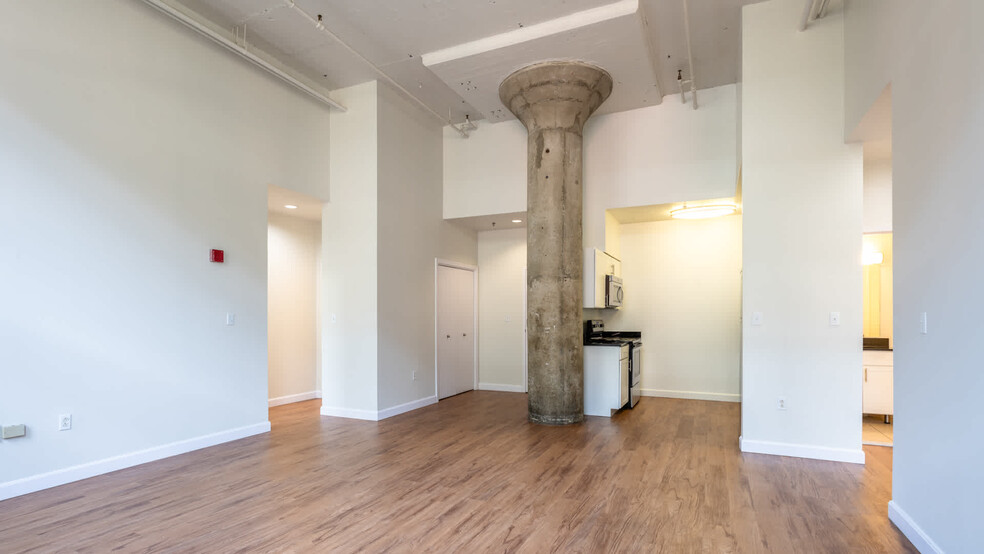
column 496, row 222
column 635, row 47
column 875, row 128
column 308, row 207
column 661, row 212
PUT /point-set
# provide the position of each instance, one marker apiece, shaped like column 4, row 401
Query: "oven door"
column 613, row 291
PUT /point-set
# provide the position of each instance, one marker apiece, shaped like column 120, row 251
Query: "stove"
column 595, row 335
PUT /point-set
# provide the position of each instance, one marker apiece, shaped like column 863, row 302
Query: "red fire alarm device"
column 217, row 256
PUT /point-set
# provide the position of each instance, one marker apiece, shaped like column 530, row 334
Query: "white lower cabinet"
column 878, row 378
column 606, row 379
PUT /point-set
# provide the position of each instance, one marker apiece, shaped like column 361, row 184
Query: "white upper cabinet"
column 597, row 265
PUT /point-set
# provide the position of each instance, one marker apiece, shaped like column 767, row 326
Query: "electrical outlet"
column 413, row 375
column 781, row 403
column 64, row 422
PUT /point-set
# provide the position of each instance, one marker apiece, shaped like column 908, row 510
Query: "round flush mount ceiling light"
column 517, row 221
column 872, row 258
column 290, row 206
column 703, row 212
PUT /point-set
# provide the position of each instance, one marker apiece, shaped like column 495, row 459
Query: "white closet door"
column 466, row 322
column 455, row 326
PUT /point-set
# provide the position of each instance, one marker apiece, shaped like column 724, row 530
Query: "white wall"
column 412, row 233
column 486, row 172
column 381, row 233
column 802, row 203
column 293, row 345
column 683, row 291
column 502, row 309
column 660, row 154
column 654, row 155
column 877, row 194
column 121, row 164
column 349, row 257
column 937, row 164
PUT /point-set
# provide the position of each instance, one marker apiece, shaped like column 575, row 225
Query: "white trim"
column 43, row 481
column 802, row 451
column 526, row 331
column 911, row 530
column 474, row 269
column 350, row 413
column 501, row 388
column 690, row 395
column 291, row 398
column 406, row 407
column 455, row 265
column 370, row 415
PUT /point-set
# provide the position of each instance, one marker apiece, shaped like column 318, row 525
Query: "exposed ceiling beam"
column 563, row 24
column 319, row 24
column 653, row 51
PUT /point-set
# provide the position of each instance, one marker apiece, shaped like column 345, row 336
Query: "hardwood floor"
column 470, row 474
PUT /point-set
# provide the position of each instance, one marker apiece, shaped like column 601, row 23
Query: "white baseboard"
column 350, row 413
column 372, row 415
column 802, row 451
column 43, row 481
column 406, row 407
column 291, row 398
column 911, row 530
column 501, row 388
column 690, row 395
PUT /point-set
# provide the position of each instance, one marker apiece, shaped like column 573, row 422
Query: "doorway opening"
column 877, row 379
column 877, row 371
column 293, row 297
column 456, row 326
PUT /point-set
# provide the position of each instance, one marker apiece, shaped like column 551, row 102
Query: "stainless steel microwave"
column 613, row 291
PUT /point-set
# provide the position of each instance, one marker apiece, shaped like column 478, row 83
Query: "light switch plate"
column 835, row 319
column 13, row 431
column 756, row 318
column 923, row 323
column 230, row 319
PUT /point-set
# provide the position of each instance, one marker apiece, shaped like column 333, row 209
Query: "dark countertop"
column 876, row 343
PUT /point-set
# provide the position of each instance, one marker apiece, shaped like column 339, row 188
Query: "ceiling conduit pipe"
column 812, row 13
column 215, row 37
column 690, row 54
column 319, row 24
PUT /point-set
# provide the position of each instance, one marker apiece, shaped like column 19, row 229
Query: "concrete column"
column 553, row 100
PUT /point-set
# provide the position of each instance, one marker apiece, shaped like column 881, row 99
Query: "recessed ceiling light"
column 517, row 221
column 702, row 212
column 290, row 206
